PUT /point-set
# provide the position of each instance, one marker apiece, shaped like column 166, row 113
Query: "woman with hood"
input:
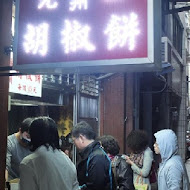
column 172, row 173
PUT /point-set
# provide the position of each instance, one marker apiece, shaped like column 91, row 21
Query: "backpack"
column 122, row 174
column 114, row 171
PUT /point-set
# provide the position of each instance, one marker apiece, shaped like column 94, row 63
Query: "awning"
column 166, row 68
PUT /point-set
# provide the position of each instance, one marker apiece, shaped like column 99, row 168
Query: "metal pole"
column 5, row 41
column 3, row 128
column 76, row 110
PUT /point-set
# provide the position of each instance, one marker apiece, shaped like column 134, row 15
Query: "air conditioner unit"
column 166, row 50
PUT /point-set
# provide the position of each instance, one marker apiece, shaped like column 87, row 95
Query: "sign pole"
column 76, row 110
column 5, row 41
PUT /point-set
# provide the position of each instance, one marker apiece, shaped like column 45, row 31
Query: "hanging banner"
column 30, row 85
column 76, row 34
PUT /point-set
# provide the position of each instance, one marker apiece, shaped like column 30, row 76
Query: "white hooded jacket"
column 172, row 174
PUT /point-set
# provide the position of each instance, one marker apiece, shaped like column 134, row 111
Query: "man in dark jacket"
column 94, row 169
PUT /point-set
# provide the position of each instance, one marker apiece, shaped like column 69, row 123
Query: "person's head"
column 137, row 141
column 166, row 143
column 156, row 148
column 43, row 131
column 66, row 146
column 82, row 135
column 110, row 144
column 24, row 137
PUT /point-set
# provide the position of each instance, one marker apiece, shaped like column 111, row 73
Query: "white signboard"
column 30, row 85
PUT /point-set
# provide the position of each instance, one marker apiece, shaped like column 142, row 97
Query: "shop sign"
column 30, row 85
column 83, row 33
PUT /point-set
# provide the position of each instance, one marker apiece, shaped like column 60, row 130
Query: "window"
column 165, row 7
column 177, row 34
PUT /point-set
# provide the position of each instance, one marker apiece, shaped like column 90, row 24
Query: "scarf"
column 137, row 159
column 111, row 157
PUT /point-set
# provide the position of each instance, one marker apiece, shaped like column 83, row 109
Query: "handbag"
column 139, row 185
column 153, row 175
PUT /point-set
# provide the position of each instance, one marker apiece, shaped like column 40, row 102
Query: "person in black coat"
column 94, row 168
column 123, row 174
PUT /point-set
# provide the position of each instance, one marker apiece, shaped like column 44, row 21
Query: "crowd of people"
column 35, row 156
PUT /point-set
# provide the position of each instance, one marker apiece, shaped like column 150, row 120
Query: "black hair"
column 110, row 144
column 25, row 125
column 43, row 131
column 83, row 128
column 137, row 141
column 65, row 144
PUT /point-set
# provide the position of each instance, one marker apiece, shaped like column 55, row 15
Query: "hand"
column 128, row 160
